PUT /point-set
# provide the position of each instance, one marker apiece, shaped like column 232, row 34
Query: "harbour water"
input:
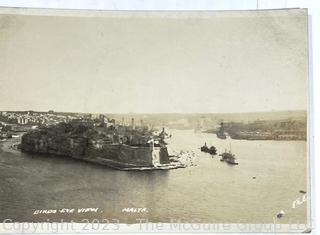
column 267, row 180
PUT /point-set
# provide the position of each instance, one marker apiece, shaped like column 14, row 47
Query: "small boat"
column 228, row 157
column 212, row 150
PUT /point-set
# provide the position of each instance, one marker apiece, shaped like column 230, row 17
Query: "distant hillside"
column 206, row 120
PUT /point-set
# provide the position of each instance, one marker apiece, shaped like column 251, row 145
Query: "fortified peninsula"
column 117, row 146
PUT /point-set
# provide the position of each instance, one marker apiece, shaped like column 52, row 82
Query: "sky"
column 217, row 62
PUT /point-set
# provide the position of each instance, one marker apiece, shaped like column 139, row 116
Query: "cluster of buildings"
column 32, row 118
column 21, row 121
column 26, row 120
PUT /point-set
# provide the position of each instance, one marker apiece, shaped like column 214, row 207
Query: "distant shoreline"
column 252, row 138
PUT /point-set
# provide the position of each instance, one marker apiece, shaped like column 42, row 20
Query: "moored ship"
column 221, row 133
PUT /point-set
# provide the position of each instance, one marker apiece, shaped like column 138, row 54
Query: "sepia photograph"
column 143, row 117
